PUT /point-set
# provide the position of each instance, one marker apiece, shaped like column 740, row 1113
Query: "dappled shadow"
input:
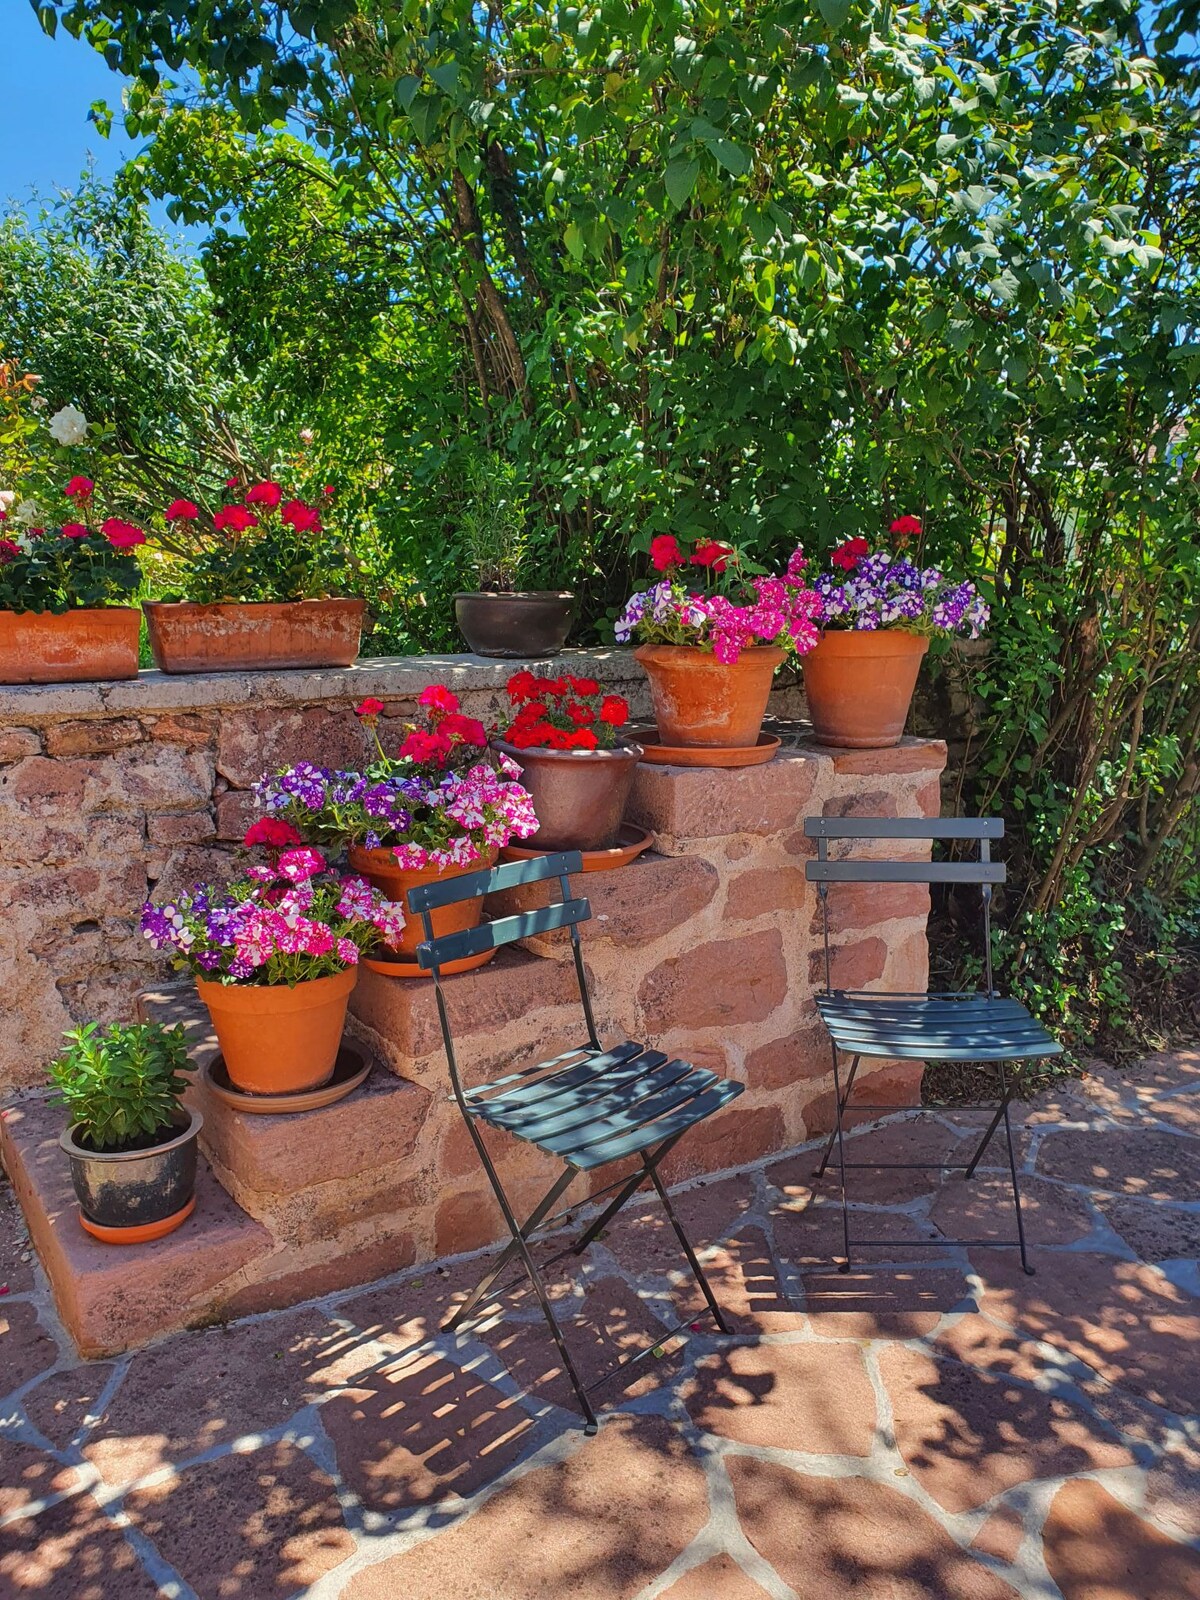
column 882, row 1303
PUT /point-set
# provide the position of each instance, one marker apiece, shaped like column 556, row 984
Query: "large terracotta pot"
column 522, row 625
column 859, row 685
column 245, row 636
column 379, row 868
column 579, row 795
column 699, row 700
column 276, row 1039
column 81, row 646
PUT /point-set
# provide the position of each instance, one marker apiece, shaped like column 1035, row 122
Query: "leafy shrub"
column 121, row 1084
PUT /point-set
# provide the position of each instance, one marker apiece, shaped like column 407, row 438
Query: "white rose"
column 28, row 513
column 68, row 426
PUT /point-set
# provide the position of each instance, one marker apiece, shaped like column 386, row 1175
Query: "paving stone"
column 833, row 1538
column 266, row 1525
column 71, row 1552
column 416, row 1429
column 25, row 1347
column 744, row 1278
column 16, row 1275
column 1152, row 1230
column 205, row 1389
column 1182, row 1112
column 881, row 1302
column 1096, row 1549
column 915, row 1139
column 811, row 1397
column 1130, row 1161
column 1175, row 1069
column 642, row 1239
column 1123, row 1319
column 1173, row 1488
column 718, row 1579
column 598, row 1526
column 968, row 1436
column 28, row 1474
column 811, row 1234
column 402, row 1316
column 983, row 1209
column 60, row 1404
column 1000, row 1535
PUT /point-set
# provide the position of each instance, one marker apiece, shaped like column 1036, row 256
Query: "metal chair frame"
column 905, row 1021
column 588, row 1107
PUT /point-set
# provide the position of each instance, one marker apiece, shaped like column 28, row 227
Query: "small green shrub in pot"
column 130, row 1140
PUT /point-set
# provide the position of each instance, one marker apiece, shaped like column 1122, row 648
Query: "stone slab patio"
column 935, row 1427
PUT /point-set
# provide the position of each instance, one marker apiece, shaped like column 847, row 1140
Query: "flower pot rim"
column 247, row 605
column 631, row 750
column 878, row 634
column 648, row 652
column 194, row 1124
column 72, row 611
column 515, row 594
column 334, row 980
column 376, row 852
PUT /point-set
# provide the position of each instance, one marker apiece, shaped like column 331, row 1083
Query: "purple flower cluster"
column 885, row 591
column 286, row 923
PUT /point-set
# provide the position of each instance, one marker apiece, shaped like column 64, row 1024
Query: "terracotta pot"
column 859, row 685
column 579, row 795
column 379, row 868
column 245, row 636
column 81, row 646
column 277, row 1040
column 136, row 1189
column 521, row 626
column 698, row 700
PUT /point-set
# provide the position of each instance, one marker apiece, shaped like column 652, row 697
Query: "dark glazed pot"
column 579, row 795
column 131, row 1188
column 519, row 626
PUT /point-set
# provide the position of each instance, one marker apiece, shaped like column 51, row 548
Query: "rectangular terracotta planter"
column 247, row 636
column 80, row 646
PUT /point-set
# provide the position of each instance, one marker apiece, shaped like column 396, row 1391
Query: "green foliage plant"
column 121, row 1083
column 494, row 523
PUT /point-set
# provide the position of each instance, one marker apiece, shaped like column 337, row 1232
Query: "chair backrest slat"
column 904, row 827
column 491, row 935
column 904, row 871
column 449, row 891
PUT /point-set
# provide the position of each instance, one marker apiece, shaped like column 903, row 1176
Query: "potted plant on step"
column 442, row 805
column 263, row 583
column 565, row 736
column 710, row 653
column 130, row 1141
column 64, row 592
column 497, row 618
column 879, row 612
column 275, row 955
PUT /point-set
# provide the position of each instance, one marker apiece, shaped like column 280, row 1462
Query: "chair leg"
column 992, row 1126
column 841, row 1146
column 697, row 1270
column 829, row 1143
column 1012, row 1167
column 509, row 1251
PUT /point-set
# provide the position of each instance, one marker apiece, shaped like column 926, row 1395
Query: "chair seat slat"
column 622, row 1104
column 664, row 1127
column 527, row 1113
column 563, row 1071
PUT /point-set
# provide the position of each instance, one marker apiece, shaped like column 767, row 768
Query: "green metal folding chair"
column 587, row 1108
column 979, row 1027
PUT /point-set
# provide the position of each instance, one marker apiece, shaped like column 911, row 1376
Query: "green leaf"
column 680, row 179
column 731, row 156
column 835, row 12
column 574, row 240
column 405, row 91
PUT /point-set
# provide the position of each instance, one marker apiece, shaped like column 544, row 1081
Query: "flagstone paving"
column 936, row 1427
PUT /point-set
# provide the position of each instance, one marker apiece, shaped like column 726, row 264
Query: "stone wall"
column 109, row 791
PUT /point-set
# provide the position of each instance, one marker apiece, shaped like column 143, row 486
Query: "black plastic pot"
column 131, row 1188
column 519, row 625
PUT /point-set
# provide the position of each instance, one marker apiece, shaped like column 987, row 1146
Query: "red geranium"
column 305, row 519
column 438, row 699
column 614, row 710
column 370, row 707
column 79, row 488
column 122, row 535
column 9, row 551
column 584, row 685
column 235, row 517
column 182, row 511
column 272, row 832
column 848, row 555
column 74, row 530
column 665, row 552
column 713, row 554
column 579, row 714
column 562, row 713
column 264, row 494
column 906, row 527
column 465, row 730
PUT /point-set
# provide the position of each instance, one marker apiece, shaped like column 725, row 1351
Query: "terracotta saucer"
column 705, row 755
column 392, row 967
column 631, row 841
column 351, row 1068
column 138, row 1232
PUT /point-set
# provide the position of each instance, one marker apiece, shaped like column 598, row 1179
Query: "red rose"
column 614, row 710
column 182, row 511
column 665, row 552
column 74, row 530
column 906, row 527
column 437, row 698
column 712, row 553
column 79, row 488
column 370, row 707
column 273, row 832
column 264, row 494
column 848, row 555
column 122, row 535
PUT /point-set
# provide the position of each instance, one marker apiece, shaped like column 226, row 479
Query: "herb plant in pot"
column 564, row 735
column 275, row 956
column 64, row 592
column 264, row 584
column 879, row 613
column 130, row 1141
column 442, row 805
column 498, row 619
column 710, row 654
